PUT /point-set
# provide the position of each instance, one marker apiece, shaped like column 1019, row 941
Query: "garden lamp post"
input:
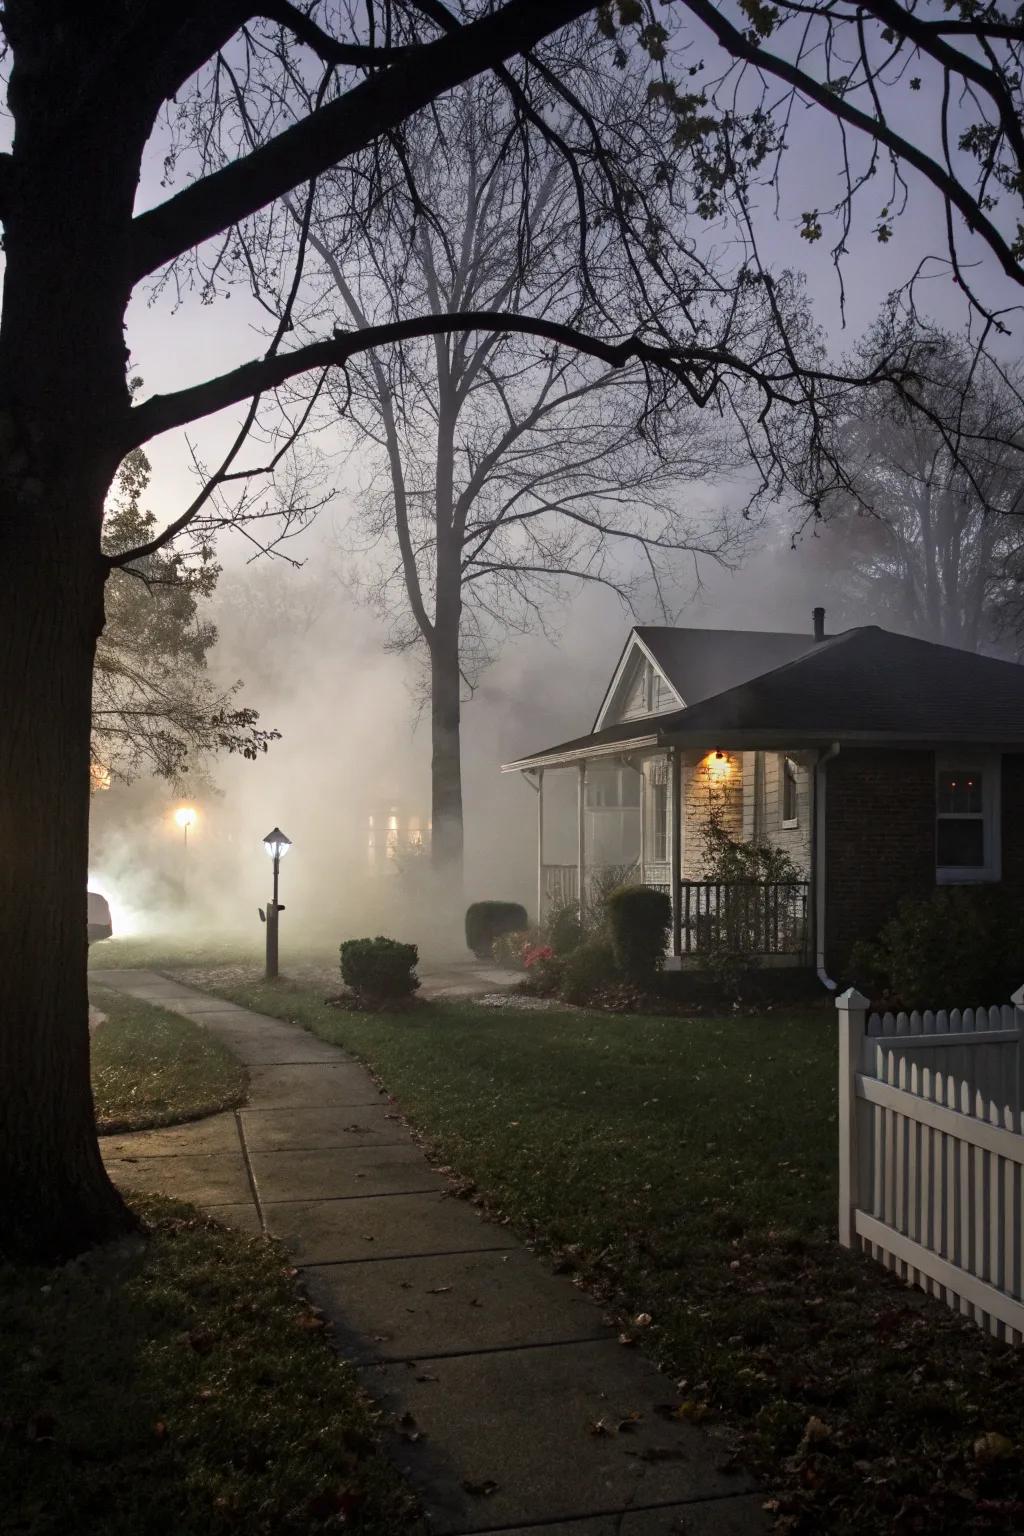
column 277, row 846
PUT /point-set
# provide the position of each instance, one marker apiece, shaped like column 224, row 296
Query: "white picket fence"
column 931, row 1152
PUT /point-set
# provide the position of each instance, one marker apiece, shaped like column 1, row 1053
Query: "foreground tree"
column 928, row 530
column 87, row 84
column 155, row 707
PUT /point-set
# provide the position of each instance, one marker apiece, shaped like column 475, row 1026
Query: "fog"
column 355, row 744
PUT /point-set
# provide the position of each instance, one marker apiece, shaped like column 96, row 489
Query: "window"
column 659, row 823
column 612, row 788
column 967, row 820
column 790, row 805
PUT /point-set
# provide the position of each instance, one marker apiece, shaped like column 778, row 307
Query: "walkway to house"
column 516, row 1410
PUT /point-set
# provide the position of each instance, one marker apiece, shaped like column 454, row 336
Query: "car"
column 100, row 926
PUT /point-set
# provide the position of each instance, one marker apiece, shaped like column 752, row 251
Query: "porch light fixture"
column 719, row 766
column 276, row 845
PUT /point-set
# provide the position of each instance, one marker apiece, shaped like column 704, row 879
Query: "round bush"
column 639, row 920
column 489, row 920
column 379, row 970
column 588, row 970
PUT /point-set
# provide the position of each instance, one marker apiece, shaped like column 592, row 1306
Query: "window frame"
column 788, row 823
column 989, row 765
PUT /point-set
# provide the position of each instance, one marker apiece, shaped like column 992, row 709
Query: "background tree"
column 506, row 469
column 155, row 707
column 928, row 532
column 86, row 89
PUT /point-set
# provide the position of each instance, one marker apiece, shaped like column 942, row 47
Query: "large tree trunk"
column 63, row 408
column 55, row 1197
column 446, row 759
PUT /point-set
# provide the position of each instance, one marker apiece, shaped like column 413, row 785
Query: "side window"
column 790, row 804
column 967, row 820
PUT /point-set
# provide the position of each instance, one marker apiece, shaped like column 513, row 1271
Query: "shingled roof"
column 702, row 662
column 865, row 685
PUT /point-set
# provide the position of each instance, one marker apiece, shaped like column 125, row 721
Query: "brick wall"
column 1013, row 822
column 727, row 792
column 880, row 841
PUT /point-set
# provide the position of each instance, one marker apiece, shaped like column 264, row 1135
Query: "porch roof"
column 865, row 685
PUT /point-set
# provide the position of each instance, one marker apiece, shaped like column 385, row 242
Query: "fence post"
column 853, row 1015
column 1017, row 999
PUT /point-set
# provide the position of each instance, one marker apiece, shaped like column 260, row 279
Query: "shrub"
column 588, row 970
column 563, row 929
column 488, row 920
column 510, row 948
column 639, row 920
column 543, row 970
column 957, row 947
column 378, row 970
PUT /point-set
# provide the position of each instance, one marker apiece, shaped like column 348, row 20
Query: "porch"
column 642, row 816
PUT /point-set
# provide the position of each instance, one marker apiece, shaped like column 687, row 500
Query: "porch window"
column 790, row 808
column 967, row 820
column 659, row 823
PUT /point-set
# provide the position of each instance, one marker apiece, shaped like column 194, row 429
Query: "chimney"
column 819, row 623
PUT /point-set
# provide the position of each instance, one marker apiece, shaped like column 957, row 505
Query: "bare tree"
column 929, row 535
column 155, row 707
column 87, row 86
column 507, row 469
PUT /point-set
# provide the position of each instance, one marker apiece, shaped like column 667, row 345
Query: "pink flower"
column 531, row 956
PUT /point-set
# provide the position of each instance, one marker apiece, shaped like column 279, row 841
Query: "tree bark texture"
column 63, row 402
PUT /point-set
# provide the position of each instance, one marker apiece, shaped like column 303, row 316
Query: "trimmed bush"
column 958, row 947
column 588, row 970
column 639, row 920
column 379, row 970
column 564, row 928
column 489, row 920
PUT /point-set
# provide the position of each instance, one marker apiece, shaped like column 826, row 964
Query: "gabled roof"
column 866, row 685
column 870, row 683
column 697, row 663
column 702, row 662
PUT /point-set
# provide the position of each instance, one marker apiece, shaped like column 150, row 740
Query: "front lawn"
column 151, row 1067
column 686, row 1170
column 178, row 1385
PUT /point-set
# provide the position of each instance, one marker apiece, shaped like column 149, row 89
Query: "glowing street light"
column 277, row 846
column 185, row 817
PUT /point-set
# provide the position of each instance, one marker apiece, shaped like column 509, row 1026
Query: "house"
column 882, row 766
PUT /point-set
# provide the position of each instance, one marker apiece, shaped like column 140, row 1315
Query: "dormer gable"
column 638, row 689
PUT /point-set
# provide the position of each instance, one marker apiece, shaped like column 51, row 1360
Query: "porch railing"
column 750, row 917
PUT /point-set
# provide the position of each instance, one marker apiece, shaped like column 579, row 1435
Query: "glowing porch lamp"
column 276, row 845
column 719, row 766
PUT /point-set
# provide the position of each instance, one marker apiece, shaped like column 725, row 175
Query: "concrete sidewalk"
column 515, row 1408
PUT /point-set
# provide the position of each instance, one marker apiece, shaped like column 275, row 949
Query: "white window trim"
column 787, row 823
column 990, row 764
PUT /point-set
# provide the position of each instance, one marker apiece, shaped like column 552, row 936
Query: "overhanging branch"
column 339, row 129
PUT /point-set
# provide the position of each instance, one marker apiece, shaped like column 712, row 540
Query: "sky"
column 353, row 732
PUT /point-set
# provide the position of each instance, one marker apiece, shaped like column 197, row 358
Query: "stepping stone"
column 343, row 1172
column 313, row 1084
column 217, row 1178
column 391, row 1226
column 414, row 1308
column 270, row 1130
column 525, row 1419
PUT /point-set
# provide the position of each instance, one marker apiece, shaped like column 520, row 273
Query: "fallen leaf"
column 992, row 1447
column 409, row 1429
column 643, row 1320
column 815, row 1431
column 439, row 1290
column 480, row 1490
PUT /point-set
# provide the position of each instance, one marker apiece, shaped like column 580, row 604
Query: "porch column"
column 675, row 760
column 540, row 846
column 581, row 851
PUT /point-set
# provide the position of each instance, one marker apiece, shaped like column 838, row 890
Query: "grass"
column 179, row 1384
column 686, row 1171
column 151, row 1067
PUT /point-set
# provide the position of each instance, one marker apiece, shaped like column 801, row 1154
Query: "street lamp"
column 184, row 817
column 277, row 846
